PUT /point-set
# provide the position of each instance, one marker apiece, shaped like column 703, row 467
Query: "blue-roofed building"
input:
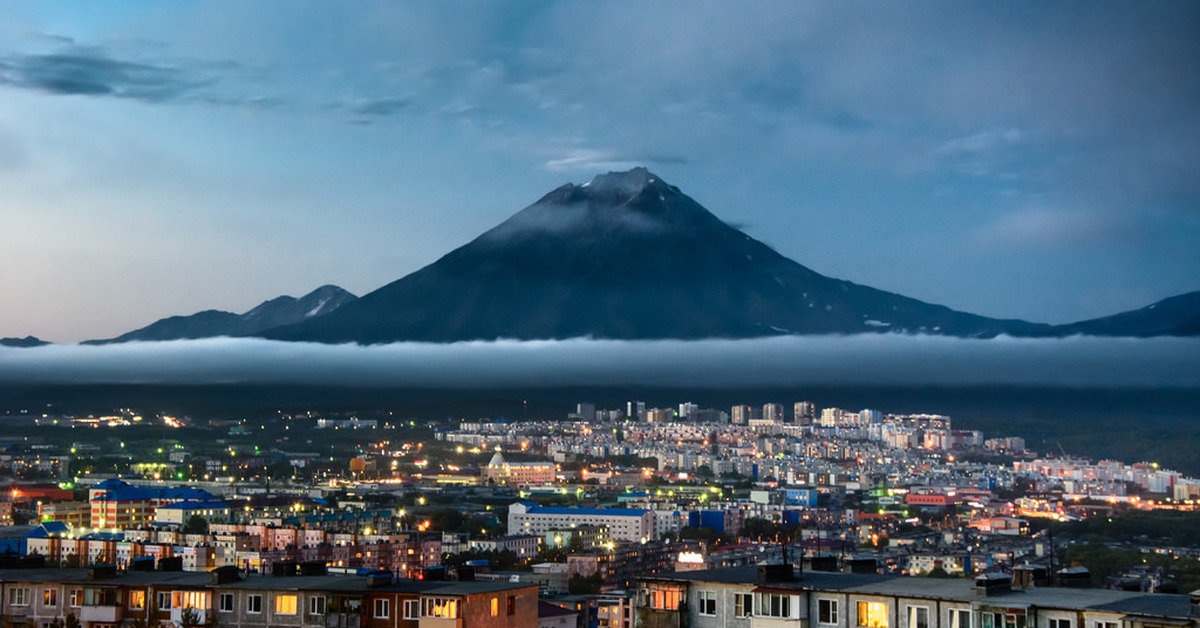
column 624, row 524
column 116, row 504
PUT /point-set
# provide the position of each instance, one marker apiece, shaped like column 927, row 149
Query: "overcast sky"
column 1037, row 160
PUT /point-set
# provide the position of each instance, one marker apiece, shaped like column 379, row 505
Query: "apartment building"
column 103, row 597
column 770, row 596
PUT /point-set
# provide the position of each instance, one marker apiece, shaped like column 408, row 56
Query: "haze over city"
column 1022, row 160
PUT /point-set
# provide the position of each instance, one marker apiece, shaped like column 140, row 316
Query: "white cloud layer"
column 780, row 361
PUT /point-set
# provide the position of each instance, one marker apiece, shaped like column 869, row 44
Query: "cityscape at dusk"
column 565, row 314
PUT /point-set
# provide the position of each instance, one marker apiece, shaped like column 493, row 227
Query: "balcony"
column 102, row 614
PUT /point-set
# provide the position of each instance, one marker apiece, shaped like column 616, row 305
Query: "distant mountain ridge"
column 279, row 311
column 27, row 341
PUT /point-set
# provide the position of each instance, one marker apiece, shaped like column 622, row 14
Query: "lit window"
column 667, row 599
column 285, row 604
column 137, row 599
column 189, row 599
column 495, row 606
column 383, row 609
column 872, row 614
column 442, row 607
column 76, row 598
column 50, row 597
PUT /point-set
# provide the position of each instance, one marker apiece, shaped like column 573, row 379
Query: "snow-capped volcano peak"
column 630, row 181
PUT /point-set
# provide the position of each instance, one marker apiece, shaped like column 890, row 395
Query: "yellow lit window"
column 285, row 604
column 495, row 606
column 444, row 608
column 189, row 599
column 873, row 614
column 137, row 599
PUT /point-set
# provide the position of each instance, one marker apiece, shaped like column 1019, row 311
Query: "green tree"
column 196, row 525
column 584, row 585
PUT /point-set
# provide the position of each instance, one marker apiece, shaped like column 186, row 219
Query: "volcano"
column 626, row 256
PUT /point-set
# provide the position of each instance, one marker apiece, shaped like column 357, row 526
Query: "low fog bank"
column 881, row 360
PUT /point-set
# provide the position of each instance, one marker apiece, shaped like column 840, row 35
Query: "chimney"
column 822, row 562
column 224, row 575
column 144, row 563
column 1075, row 578
column 1030, row 576
column 284, row 568
column 989, row 584
column 861, row 565
column 102, row 572
column 313, row 568
column 775, row 573
column 377, row 579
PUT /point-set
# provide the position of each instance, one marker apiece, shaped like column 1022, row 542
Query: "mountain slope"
column 1176, row 316
column 282, row 310
column 625, row 256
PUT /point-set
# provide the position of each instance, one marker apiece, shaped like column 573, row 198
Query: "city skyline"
column 1031, row 161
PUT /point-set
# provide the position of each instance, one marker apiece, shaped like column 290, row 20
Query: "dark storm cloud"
column 857, row 360
column 90, row 72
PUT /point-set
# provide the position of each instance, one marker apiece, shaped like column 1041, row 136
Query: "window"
column 18, row 597
column 743, row 604
column 774, row 605
column 707, row 603
column 443, row 607
column 1105, row 624
column 383, row 609
column 226, row 601
column 316, row 605
column 285, row 604
column 872, row 614
column 189, row 599
column 254, row 603
column 137, row 599
column 495, row 606
column 412, row 609
column 961, row 618
column 76, row 598
column 50, row 598
column 1060, row 623
column 918, row 617
column 164, row 600
column 827, row 611
column 665, row 599
column 511, row 605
